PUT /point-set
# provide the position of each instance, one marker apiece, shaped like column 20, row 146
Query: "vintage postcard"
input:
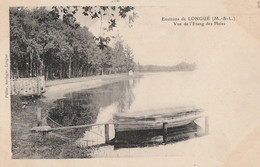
column 132, row 83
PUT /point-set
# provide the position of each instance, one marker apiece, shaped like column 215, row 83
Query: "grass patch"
column 27, row 145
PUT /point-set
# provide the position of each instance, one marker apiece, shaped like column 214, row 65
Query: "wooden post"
column 165, row 132
column 106, row 133
column 206, row 125
column 45, row 133
column 39, row 116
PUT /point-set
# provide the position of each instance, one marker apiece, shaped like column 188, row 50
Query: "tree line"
column 44, row 44
column 183, row 66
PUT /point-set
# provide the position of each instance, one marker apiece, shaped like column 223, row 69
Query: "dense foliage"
column 41, row 43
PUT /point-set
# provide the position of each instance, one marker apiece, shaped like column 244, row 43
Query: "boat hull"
column 145, row 125
column 154, row 119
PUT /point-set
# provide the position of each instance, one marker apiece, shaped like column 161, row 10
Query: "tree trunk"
column 41, row 67
column 35, row 68
column 102, row 70
column 87, row 71
column 47, row 74
column 69, row 68
column 60, row 71
column 81, row 71
column 17, row 73
column 64, row 72
column 31, row 65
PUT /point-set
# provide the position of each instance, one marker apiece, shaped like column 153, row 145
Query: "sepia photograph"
column 130, row 81
column 78, row 90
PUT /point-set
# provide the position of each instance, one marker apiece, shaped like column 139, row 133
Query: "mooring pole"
column 206, row 125
column 165, row 132
column 39, row 116
column 106, row 133
column 41, row 121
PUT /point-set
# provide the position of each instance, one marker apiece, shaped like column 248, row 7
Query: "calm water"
column 152, row 91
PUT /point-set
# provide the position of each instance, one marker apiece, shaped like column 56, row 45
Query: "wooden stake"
column 106, row 133
column 45, row 134
column 39, row 116
column 165, row 132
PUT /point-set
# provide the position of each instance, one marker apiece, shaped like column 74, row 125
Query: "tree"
column 107, row 59
column 109, row 14
column 129, row 59
column 45, row 43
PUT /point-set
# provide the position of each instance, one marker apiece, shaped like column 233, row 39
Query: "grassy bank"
column 33, row 145
column 55, row 145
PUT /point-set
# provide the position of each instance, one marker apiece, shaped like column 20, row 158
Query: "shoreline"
column 27, row 145
column 58, row 88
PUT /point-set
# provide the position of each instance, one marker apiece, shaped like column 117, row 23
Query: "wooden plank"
column 40, row 129
column 79, row 126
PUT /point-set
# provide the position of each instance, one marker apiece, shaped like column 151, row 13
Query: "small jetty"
column 149, row 126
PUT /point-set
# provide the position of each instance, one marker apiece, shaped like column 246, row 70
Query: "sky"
column 157, row 42
column 152, row 41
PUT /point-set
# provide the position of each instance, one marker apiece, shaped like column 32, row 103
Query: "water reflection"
column 155, row 137
column 99, row 104
column 94, row 106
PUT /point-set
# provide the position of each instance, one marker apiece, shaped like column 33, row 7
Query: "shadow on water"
column 81, row 108
column 85, row 107
column 148, row 138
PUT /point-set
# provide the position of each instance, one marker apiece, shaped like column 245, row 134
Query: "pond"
column 152, row 91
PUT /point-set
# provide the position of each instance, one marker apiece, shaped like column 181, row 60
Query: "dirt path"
column 58, row 88
column 81, row 79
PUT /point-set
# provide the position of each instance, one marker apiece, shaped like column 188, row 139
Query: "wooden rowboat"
column 154, row 119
